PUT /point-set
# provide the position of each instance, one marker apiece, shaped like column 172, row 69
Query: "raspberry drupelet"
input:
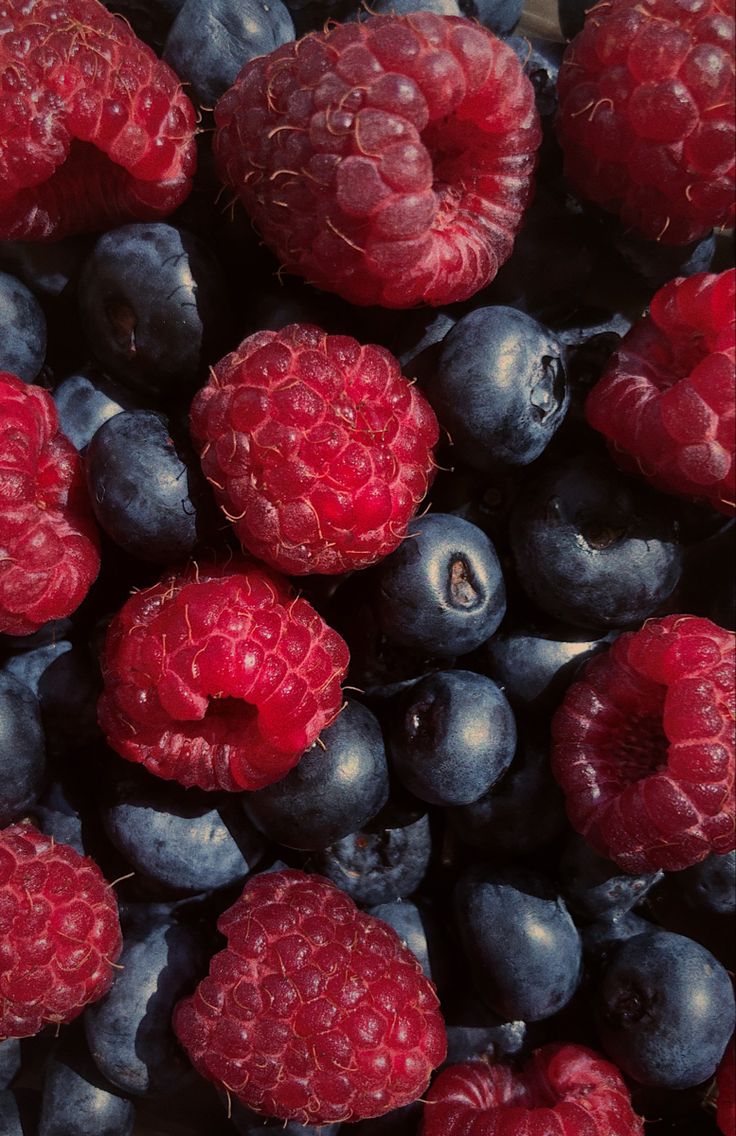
column 318, row 449
column 314, row 1011
column 219, row 677
column 95, row 129
column 389, row 160
column 49, row 553
column 643, row 746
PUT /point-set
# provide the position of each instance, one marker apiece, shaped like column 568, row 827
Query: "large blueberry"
column 22, row 748
column 87, row 399
column 77, row 1100
column 22, row 330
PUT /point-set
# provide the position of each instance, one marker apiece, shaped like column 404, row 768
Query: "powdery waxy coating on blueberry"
column 95, row 129
column 388, row 160
column 314, row 1011
column 563, row 1089
column 318, row 449
column 49, row 553
column 219, row 677
column 666, row 402
column 644, row 746
column 59, row 932
column 647, row 115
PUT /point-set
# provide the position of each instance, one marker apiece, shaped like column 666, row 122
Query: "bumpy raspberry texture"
column 318, row 449
column 388, row 160
column 219, row 677
column 565, row 1090
column 643, row 746
column 726, row 1088
column 95, row 130
column 314, row 1012
column 48, row 539
column 59, row 932
column 667, row 400
column 647, row 114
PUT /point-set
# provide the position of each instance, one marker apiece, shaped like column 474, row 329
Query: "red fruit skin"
column 314, row 1011
column 563, row 1090
column 49, row 551
column 726, row 1086
column 96, row 130
column 647, row 115
column 317, row 448
column 388, row 160
column 643, row 746
column 59, row 932
column 666, row 402
column 219, row 677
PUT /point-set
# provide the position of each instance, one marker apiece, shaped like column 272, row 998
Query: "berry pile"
column 367, row 560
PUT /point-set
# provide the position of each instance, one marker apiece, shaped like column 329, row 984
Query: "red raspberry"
column 388, row 160
column 643, row 746
column 318, row 449
column 564, row 1089
column 219, row 677
column 95, row 129
column 646, row 115
column 59, row 932
column 313, row 1012
column 667, row 400
column 726, row 1086
column 48, row 540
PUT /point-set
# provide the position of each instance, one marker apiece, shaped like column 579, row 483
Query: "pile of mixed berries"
column 367, row 497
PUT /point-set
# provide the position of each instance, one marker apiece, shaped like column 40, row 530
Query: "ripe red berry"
column 388, row 160
column 647, row 114
column 219, row 677
column 667, row 400
column 643, row 746
column 59, row 932
column 95, row 129
column 313, row 1012
column 48, row 539
column 318, row 449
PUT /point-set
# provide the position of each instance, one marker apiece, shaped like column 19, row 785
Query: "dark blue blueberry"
column 154, row 307
column 249, row 1123
column 56, row 814
column 593, row 886
column 475, row 1031
column 523, row 948
column 10, row 1059
column 571, row 15
column 606, row 934
column 451, row 737
column 593, row 547
column 22, row 330
column 499, row 16
column 85, row 400
column 340, row 784
column 420, row 931
column 442, row 590
column 499, row 387
column 404, row 7
column 211, row 40
column 22, row 748
column 700, row 902
column 147, row 492
column 15, row 1117
column 77, row 1100
column 47, row 269
column 665, row 1010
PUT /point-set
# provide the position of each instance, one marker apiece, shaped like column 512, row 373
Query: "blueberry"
column 700, row 902
column 340, row 783
column 87, row 399
column 57, row 814
column 11, row 1121
column 451, row 737
column 474, row 1031
column 22, row 330
column 499, row 387
column 22, row 748
column 608, row 931
column 442, row 590
column 420, row 932
column 499, row 16
column 593, row 886
column 665, row 1010
column 404, row 7
column 47, row 269
column 523, row 948
column 10, row 1058
column 77, row 1100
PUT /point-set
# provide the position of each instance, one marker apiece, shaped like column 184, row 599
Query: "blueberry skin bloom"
column 523, row 948
column 665, row 1010
column 442, row 590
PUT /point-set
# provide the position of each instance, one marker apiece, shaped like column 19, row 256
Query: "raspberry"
column 726, row 1088
column 666, row 401
column 59, row 932
column 219, row 677
column 313, row 1012
column 318, row 449
column 643, row 746
column 646, row 116
column 388, row 160
column 564, row 1089
column 95, row 129
column 48, row 540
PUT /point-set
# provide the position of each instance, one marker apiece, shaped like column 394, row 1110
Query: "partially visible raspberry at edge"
column 94, row 129
column 643, row 746
column 49, row 554
column 219, row 677
column 389, row 160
